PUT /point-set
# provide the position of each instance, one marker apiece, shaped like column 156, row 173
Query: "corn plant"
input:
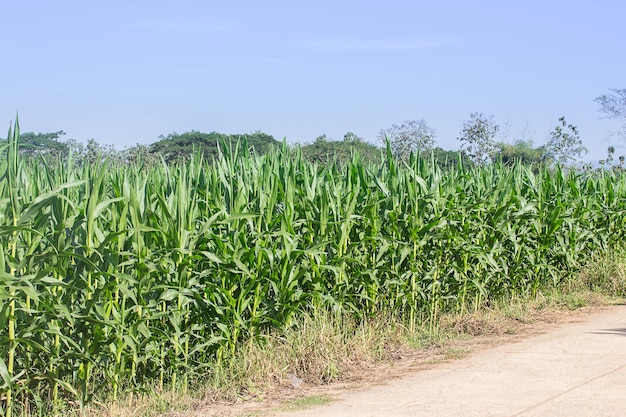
column 120, row 278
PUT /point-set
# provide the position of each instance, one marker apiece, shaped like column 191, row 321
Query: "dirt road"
column 576, row 369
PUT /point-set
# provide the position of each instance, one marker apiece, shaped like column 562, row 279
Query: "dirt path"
column 575, row 369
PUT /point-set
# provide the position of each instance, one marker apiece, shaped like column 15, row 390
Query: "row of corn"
column 118, row 278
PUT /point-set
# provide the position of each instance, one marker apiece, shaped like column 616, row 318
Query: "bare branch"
column 613, row 105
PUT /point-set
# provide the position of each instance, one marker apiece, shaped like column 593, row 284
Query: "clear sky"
column 125, row 72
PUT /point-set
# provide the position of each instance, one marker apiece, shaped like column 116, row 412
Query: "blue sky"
column 125, row 72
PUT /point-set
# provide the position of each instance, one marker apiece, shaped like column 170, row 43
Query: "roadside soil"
column 557, row 363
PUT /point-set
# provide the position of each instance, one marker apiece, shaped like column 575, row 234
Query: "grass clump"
column 306, row 402
column 605, row 274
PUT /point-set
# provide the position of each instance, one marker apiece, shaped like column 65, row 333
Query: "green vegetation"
column 565, row 144
column 183, row 146
column 119, row 278
column 477, row 137
column 328, row 151
column 523, row 152
column 46, row 145
column 172, row 148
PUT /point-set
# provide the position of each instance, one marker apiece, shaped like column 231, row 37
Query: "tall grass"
column 117, row 278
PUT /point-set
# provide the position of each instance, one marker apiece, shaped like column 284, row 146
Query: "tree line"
column 481, row 142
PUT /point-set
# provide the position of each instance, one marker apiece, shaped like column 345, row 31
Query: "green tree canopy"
column 176, row 146
column 325, row 151
column 449, row 159
column 522, row 151
column 45, row 145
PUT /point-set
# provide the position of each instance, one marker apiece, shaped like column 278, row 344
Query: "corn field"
column 117, row 278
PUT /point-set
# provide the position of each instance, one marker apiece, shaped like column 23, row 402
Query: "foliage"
column 174, row 146
column 93, row 152
column 411, row 136
column 351, row 137
column 609, row 161
column 477, row 138
column 46, row 145
column 565, row 144
column 140, row 155
column 521, row 151
column 446, row 160
column 117, row 277
column 51, row 149
column 328, row 151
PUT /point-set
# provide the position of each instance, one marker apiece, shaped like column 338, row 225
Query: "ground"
column 537, row 367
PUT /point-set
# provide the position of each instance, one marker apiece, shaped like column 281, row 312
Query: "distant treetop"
column 176, row 146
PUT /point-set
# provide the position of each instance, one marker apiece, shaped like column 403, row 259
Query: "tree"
column 46, row 145
column 614, row 105
column 608, row 162
column 410, row 136
column 565, row 144
column 95, row 151
column 351, row 137
column 477, row 138
column 522, row 151
column 450, row 159
column 609, row 157
column 140, row 155
column 321, row 138
column 174, row 146
column 340, row 151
